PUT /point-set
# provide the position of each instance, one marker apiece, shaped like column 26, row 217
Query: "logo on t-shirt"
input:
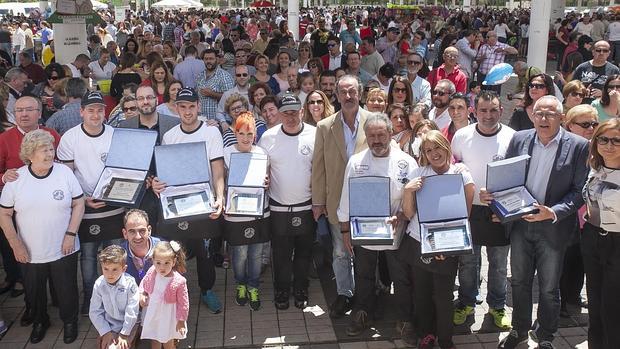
column 249, row 233
column 58, row 194
column 305, row 150
column 104, row 156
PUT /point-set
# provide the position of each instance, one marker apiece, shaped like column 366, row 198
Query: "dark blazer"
column 165, row 124
column 568, row 176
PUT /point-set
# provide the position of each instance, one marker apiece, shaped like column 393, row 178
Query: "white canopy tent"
column 175, row 4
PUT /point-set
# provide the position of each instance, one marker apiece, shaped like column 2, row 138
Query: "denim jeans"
column 469, row 276
column 534, row 253
column 246, row 263
column 342, row 264
column 88, row 263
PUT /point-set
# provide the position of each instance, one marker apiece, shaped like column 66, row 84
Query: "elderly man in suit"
column 556, row 174
column 338, row 137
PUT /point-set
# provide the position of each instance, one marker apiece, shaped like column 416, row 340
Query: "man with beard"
column 211, row 85
column 421, row 87
column 338, row 137
column 441, row 98
column 380, row 159
column 327, row 82
column 319, row 39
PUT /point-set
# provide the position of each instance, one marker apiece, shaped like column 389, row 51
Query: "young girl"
column 164, row 294
column 305, row 82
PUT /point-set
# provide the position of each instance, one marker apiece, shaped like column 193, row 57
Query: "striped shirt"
column 230, row 139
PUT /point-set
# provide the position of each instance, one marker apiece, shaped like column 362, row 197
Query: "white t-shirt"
column 501, row 30
column 204, row 133
column 290, row 157
column 398, row 166
column 42, row 210
column 104, row 73
column 476, row 150
column 413, row 229
column 88, row 154
column 584, row 29
column 442, row 120
column 614, row 31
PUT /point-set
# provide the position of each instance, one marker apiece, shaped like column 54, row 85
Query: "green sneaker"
column 500, row 319
column 254, row 299
column 461, row 313
column 242, row 296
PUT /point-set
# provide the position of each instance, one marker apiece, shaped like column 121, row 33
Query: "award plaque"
column 184, row 201
column 506, row 181
column 443, row 216
column 246, row 180
column 122, row 190
column 369, row 211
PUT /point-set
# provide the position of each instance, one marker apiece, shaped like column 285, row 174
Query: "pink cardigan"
column 176, row 291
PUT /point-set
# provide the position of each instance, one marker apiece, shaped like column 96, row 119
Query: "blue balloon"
column 499, row 74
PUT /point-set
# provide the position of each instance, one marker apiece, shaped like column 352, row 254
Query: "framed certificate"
column 186, row 201
column 450, row 238
column 369, row 210
column 506, row 181
column 372, row 231
column 245, row 201
column 122, row 190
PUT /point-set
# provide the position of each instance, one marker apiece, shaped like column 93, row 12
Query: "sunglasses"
column 440, row 93
column 587, row 124
column 130, row 109
column 601, row 50
column 317, row 102
column 602, row 140
column 538, row 86
column 578, row 94
column 243, row 75
column 414, row 62
column 400, row 90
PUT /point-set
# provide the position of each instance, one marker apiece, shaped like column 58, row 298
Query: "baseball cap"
column 187, row 94
column 92, row 97
column 289, row 101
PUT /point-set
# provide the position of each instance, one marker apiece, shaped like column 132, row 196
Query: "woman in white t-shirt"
column 434, row 277
column 246, row 235
column 47, row 203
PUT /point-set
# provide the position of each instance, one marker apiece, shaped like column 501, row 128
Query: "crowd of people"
column 363, row 92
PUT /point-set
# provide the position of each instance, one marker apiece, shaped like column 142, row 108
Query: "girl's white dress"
column 160, row 317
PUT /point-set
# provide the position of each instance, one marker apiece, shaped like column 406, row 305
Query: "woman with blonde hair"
column 376, row 100
column 317, row 107
column 582, row 120
column 574, row 93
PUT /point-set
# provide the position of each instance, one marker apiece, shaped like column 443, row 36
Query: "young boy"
column 114, row 305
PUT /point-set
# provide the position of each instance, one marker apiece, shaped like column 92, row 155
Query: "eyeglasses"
column 147, row 98
column 546, row 115
column 440, row 93
column 130, row 109
column 577, row 94
column 613, row 87
column 537, row 86
column 601, row 50
column 317, row 102
column 602, row 140
column 26, row 110
column 238, row 108
column 400, row 90
column 587, row 124
column 242, row 75
column 414, row 62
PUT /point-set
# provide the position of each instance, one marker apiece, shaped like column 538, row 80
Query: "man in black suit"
column 556, row 174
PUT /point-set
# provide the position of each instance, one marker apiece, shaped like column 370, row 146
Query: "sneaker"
column 406, row 332
column 545, row 345
column 340, row 306
column 461, row 312
column 428, row 342
column 512, row 340
column 281, row 299
column 301, row 298
column 254, row 299
column 241, row 297
column 500, row 319
column 212, row 301
column 359, row 323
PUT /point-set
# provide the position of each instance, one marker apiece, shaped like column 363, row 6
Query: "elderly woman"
column 376, row 100
column 46, row 245
column 126, row 109
column 317, row 107
column 600, row 241
column 573, row 93
column 234, row 106
column 435, row 280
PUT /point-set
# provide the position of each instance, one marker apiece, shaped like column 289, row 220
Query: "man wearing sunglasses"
column 594, row 72
column 441, row 99
column 421, row 87
column 242, row 79
column 69, row 116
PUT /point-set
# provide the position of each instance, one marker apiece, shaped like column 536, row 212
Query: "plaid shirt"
column 489, row 58
column 66, row 118
column 220, row 81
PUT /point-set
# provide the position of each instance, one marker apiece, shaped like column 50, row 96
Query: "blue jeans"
column 534, row 253
column 342, row 264
column 469, row 276
column 88, row 263
column 246, row 263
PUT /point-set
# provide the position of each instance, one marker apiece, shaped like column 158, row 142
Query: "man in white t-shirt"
column 84, row 148
column 102, row 69
column 584, row 27
column 475, row 146
column 441, row 99
column 383, row 160
column 193, row 130
column 290, row 148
